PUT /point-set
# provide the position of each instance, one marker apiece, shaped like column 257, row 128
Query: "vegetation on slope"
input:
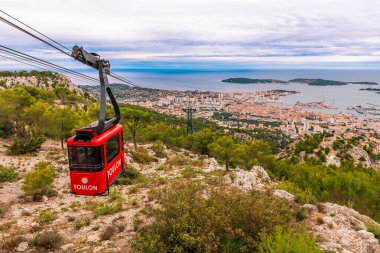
column 31, row 112
column 188, row 221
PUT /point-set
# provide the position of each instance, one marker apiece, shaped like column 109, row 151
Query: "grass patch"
column 141, row 155
column 8, row 174
column 82, row 222
column 46, row 217
column 12, row 242
column 191, row 172
column 48, row 240
column 3, row 209
column 113, row 205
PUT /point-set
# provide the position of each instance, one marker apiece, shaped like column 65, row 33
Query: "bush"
column 29, row 146
column 39, row 181
column 113, row 205
column 282, row 241
column 345, row 185
column 100, row 208
column 303, row 196
column 8, row 174
column 190, row 172
column 129, row 176
column 46, row 217
column 159, row 149
column 140, row 155
column 82, row 222
column 48, row 240
column 189, row 222
column 107, row 233
column 5, row 130
column 12, row 242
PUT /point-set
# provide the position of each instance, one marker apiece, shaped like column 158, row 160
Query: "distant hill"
column 372, row 90
column 314, row 82
column 317, row 82
column 368, row 83
column 249, row 80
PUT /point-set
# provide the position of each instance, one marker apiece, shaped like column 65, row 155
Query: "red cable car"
column 96, row 152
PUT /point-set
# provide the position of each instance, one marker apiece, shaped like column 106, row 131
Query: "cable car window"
column 84, row 158
column 112, row 148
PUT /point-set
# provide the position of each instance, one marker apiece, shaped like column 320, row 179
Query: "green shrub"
column 187, row 221
column 100, row 208
column 190, row 172
column 140, row 155
column 348, row 185
column 29, row 146
column 303, row 196
column 5, row 130
column 8, row 174
column 129, row 176
column 282, row 241
column 48, row 240
column 113, row 205
column 300, row 215
column 159, row 149
column 46, row 217
column 39, row 181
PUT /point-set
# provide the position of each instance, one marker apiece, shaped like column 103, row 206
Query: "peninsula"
column 313, row 82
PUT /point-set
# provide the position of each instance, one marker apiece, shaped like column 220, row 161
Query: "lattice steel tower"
column 189, row 110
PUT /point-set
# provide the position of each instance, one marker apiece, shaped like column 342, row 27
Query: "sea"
column 341, row 96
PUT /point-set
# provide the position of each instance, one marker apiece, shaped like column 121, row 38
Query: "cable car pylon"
column 189, row 110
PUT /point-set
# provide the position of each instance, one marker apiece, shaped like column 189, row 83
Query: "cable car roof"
column 98, row 139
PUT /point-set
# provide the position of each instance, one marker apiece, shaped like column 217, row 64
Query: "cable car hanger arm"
column 103, row 66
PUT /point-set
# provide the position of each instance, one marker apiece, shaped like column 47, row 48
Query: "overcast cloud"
column 205, row 33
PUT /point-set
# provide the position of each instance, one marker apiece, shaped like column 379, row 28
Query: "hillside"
column 45, row 80
column 77, row 223
column 217, row 188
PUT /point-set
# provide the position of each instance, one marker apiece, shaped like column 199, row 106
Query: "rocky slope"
column 337, row 228
column 44, row 82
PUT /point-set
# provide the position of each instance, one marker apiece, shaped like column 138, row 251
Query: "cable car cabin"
column 95, row 161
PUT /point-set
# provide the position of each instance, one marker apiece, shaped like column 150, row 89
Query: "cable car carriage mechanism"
column 96, row 152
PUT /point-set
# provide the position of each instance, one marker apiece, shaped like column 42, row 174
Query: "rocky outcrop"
column 255, row 179
column 43, row 82
column 336, row 228
column 341, row 229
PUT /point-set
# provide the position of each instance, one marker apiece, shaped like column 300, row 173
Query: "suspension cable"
column 26, row 56
column 55, row 67
column 42, row 68
column 120, row 78
column 31, row 34
column 35, row 30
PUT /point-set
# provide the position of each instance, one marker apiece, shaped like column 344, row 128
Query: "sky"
column 203, row 34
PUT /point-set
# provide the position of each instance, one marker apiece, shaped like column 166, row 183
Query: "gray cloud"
column 264, row 32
